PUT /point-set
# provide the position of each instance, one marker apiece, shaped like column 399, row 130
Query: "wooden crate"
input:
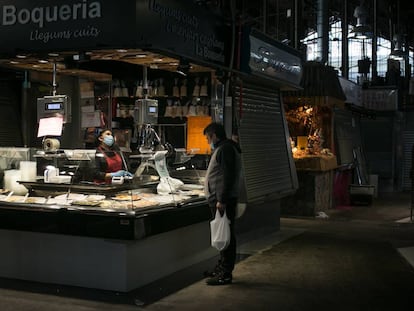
column 316, row 163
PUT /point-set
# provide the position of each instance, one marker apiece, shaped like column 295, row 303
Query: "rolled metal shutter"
column 347, row 135
column 267, row 158
column 10, row 130
column 408, row 143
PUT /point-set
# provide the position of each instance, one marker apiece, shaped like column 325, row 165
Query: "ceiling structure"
column 276, row 18
column 94, row 64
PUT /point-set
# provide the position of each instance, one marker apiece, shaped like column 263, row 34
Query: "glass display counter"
column 131, row 214
column 112, row 237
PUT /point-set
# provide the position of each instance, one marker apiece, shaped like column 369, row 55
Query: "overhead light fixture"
column 361, row 30
column 183, row 67
column 81, row 57
column 398, row 52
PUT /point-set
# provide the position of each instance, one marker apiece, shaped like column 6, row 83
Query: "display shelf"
column 75, row 220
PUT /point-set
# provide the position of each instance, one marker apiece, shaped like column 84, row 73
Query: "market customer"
column 108, row 159
column 222, row 190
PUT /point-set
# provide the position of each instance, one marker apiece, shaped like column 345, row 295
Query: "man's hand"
column 221, row 207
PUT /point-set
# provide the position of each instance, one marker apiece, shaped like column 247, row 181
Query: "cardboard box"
column 361, row 190
column 361, row 194
column 316, row 163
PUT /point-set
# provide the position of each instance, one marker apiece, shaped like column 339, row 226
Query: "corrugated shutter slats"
column 10, row 131
column 263, row 139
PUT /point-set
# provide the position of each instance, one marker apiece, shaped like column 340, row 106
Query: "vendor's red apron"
column 114, row 163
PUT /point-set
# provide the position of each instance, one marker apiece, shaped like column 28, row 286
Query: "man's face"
column 211, row 138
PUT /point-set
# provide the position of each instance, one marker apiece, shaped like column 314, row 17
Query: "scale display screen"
column 53, row 106
column 147, row 111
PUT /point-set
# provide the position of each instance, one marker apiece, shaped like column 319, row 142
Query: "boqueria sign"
column 177, row 26
column 64, row 25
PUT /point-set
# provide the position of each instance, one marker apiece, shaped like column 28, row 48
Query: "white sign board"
column 50, row 127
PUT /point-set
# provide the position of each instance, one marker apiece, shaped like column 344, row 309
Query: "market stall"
column 107, row 68
column 310, row 115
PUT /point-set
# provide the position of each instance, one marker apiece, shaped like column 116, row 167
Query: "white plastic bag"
column 168, row 185
column 220, row 231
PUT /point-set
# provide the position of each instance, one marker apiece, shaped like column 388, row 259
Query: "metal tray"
column 83, row 187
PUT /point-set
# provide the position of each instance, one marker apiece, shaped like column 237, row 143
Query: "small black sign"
column 183, row 28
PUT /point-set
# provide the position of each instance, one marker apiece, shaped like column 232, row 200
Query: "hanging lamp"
column 362, row 29
column 398, row 52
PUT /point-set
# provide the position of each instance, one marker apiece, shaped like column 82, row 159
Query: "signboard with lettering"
column 266, row 57
column 46, row 25
column 183, row 28
column 380, row 99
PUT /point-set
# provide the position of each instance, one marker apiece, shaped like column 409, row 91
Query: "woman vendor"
column 109, row 159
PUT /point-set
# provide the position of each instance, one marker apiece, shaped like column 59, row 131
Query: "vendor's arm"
column 100, row 168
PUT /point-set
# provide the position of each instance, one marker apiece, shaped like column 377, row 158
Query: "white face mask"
column 212, row 146
column 108, row 140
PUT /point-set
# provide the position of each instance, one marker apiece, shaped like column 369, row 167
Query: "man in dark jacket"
column 222, row 190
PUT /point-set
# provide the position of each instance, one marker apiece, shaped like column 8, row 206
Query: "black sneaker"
column 220, row 279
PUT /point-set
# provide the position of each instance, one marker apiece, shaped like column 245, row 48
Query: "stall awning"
column 320, row 86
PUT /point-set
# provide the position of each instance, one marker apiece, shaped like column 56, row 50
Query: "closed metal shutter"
column 10, row 130
column 347, row 135
column 408, row 143
column 267, row 159
column 378, row 142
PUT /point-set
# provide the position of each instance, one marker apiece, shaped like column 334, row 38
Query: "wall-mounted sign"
column 274, row 62
column 266, row 57
column 184, row 28
column 180, row 27
column 381, row 100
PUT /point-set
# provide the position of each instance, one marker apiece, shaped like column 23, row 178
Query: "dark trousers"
column 228, row 256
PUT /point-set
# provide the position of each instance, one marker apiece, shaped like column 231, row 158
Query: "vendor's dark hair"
column 215, row 128
column 98, row 134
